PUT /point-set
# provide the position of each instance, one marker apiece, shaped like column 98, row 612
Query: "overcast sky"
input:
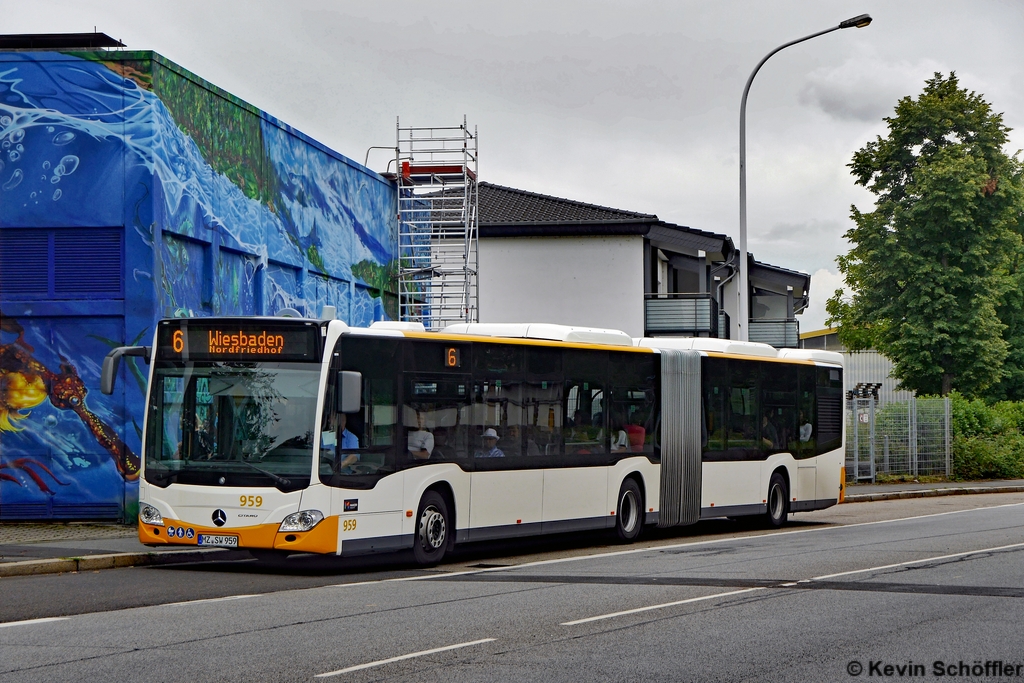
column 633, row 105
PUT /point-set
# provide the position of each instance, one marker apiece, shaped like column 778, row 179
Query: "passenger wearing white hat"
column 490, row 449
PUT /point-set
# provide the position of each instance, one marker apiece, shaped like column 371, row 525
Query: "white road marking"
column 382, row 662
column 197, row 602
column 786, row 585
column 659, row 548
column 416, row 577
column 28, row 622
column 926, row 559
column 661, row 606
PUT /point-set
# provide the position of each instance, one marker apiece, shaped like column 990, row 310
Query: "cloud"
column 804, row 246
column 824, row 284
column 866, row 87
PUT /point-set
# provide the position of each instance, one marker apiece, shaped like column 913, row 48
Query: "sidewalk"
column 43, row 548
column 864, row 493
column 54, row 548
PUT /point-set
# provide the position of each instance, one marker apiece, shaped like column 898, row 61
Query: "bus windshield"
column 232, row 424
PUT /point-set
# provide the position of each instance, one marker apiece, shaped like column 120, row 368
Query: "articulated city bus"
column 285, row 435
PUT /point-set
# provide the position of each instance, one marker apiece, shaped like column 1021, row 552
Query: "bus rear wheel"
column 629, row 513
column 778, row 501
column 433, row 526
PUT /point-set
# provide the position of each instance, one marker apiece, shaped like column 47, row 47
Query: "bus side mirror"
column 350, row 391
column 113, row 359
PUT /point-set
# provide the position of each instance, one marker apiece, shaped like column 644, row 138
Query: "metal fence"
column 901, row 437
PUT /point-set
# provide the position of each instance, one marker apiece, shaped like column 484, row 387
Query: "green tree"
column 933, row 267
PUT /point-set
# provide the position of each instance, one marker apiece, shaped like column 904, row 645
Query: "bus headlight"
column 150, row 515
column 301, row 521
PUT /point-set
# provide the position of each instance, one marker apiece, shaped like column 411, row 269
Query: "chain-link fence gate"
column 902, row 437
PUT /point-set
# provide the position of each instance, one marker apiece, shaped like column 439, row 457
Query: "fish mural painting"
column 131, row 190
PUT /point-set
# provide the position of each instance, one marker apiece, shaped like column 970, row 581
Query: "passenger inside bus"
column 769, row 434
column 620, row 440
column 329, row 442
column 421, row 441
column 806, row 428
column 490, row 449
column 517, row 434
column 442, row 451
column 637, row 435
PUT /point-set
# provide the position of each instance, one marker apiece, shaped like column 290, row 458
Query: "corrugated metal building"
column 867, row 367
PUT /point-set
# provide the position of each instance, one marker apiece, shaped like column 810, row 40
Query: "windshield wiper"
column 278, row 479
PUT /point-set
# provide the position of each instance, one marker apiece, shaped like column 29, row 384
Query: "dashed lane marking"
column 411, row 655
column 661, row 606
column 29, row 622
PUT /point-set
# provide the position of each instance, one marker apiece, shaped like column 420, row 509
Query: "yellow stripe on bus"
column 523, row 341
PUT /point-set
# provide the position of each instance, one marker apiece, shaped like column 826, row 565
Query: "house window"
column 664, row 272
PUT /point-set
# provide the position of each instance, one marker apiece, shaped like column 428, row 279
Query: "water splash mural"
column 214, row 208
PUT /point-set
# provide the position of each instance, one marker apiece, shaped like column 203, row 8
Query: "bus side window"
column 714, row 390
column 743, row 436
column 542, row 420
column 586, row 434
column 778, row 406
column 433, row 417
column 806, row 413
column 632, row 404
column 497, row 408
column 495, row 438
column 543, row 416
column 374, row 426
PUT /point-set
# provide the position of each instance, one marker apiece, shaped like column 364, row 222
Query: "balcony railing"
column 780, row 333
column 689, row 315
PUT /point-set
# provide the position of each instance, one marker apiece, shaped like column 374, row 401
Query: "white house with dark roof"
column 548, row 259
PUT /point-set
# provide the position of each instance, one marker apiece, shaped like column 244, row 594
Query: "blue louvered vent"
column 61, row 264
column 24, row 511
column 24, row 263
column 87, row 511
column 86, row 262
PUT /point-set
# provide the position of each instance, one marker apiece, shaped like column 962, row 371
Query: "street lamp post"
column 744, row 285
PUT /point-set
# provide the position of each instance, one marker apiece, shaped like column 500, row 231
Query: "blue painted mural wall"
column 132, row 190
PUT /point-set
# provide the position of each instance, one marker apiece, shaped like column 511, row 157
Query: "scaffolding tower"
column 437, row 225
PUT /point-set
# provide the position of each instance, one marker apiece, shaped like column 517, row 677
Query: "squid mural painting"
column 61, row 453
column 25, row 383
column 132, row 190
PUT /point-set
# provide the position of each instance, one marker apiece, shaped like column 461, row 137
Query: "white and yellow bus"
column 285, row 435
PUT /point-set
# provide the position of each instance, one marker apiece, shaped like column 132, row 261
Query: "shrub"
column 988, row 440
column 989, row 457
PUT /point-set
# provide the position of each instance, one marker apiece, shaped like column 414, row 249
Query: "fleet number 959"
column 348, row 525
column 250, row 501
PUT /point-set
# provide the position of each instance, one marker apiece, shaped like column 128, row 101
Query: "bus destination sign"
column 237, row 340
column 240, row 342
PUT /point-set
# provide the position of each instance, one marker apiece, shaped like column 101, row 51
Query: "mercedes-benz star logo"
column 219, row 518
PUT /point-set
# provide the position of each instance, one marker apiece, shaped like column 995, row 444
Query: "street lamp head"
column 857, row 22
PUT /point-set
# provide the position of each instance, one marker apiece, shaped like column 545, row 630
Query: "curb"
column 113, row 561
column 930, row 493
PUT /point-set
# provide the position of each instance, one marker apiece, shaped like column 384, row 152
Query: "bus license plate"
column 219, row 541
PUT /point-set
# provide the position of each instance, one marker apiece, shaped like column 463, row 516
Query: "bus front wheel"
column 433, row 526
column 629, row 513
column 778, row 501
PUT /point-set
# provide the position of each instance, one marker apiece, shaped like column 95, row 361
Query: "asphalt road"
column 901, row 584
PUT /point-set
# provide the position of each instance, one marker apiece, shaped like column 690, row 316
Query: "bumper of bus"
column 323, row 538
